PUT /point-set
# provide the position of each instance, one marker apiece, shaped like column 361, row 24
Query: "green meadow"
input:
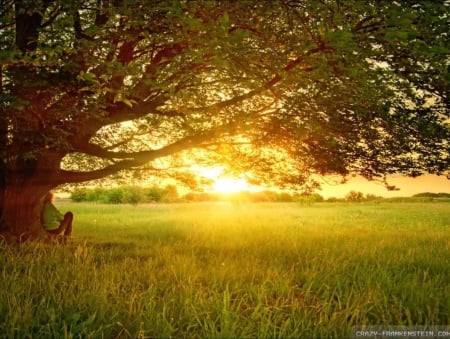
column 217, row 270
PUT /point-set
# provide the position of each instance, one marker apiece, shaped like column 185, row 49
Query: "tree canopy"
column 280, row 89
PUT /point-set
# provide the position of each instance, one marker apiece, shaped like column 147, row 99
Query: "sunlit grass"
column 221, row 271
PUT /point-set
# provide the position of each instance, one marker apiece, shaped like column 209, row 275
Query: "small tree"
column 354, row 196
column 171, row 194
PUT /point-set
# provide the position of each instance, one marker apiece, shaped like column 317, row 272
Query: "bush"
column 133, row 195
column 79, row 195
column 126, row 195
column 96, row 194
column 87, row 194
column 154, row 194
column 308, row 199
column 114, row 196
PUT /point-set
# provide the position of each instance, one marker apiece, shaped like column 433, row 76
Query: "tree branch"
column 76, row 177
column 136, row 159
column 271, row 83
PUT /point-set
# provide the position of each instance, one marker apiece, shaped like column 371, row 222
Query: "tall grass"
column 221, row 271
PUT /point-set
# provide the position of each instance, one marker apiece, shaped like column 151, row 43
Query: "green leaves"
column 341, row 39
column 328, row 83
column 225, row 22
column 119, row 97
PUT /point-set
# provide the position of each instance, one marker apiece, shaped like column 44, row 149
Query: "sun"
column 230, row 185
column 222, row 183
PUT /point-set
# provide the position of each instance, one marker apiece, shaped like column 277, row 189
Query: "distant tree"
column 372, row 197
column 284, row 197
column 308, row 199
column 171, row 194
column 432, row 195
column 333, row 199
column 354, row 196
column 201, row 197
column 263, row 196
column 284, row 89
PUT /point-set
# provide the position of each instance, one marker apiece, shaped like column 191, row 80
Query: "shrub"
column 96, row 194
column 114, row 195
column 87, row 194
column 127, row 194
column 154, row 194
column 308, row 199
column 133, row 195
column 79, row 195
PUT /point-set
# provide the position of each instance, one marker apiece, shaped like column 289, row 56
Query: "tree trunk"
column 3, row 142
column 21, row 212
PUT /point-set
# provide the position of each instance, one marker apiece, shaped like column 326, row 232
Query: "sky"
column 407, row 186
column 330, row 188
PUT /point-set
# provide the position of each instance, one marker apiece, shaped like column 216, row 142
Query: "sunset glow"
column 230, row 185
column 223, row 183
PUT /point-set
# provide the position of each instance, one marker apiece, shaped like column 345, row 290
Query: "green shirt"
column 52, row 217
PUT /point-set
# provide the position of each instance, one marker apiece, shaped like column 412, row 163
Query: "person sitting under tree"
column 54, row 221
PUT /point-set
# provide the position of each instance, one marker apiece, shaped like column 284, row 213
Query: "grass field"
column 223, row 271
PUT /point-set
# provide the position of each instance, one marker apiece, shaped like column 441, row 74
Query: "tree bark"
column 3, row 141
column 22, row 204
column 27, row 25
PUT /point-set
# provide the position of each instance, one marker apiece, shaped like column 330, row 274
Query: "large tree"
column 284, row 89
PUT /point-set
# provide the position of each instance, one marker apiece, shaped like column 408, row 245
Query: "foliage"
column 126, row 195
column 254, row 197
column 432, row 195
column 354, row 196
column 168, row 194
column 215, row 270
column 310, row 198
column 280, row 90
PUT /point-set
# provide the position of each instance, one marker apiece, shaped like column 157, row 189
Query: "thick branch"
column 135, row 159
column 117, row 114
column 75, row 177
